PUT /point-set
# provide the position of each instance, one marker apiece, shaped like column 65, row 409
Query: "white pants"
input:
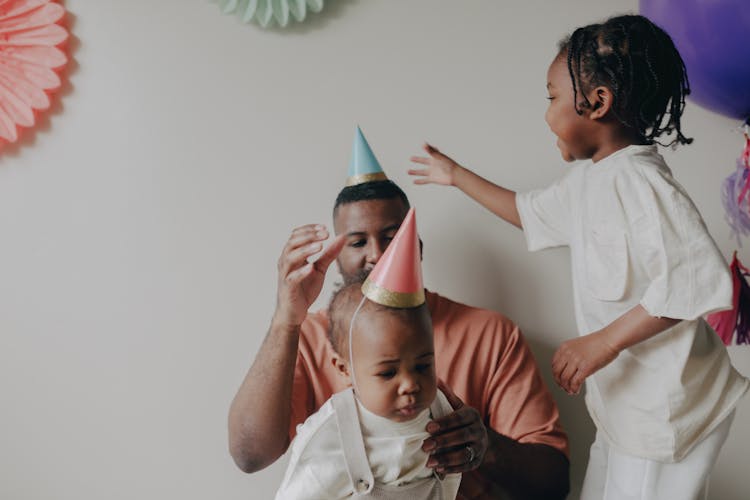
column 612, row 475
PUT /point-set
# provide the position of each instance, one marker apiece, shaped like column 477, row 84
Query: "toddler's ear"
column 342, row 367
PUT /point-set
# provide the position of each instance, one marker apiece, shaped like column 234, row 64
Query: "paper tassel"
column 737, row 319
column 735, row 194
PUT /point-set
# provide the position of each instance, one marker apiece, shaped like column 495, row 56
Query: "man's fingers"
column 459, row 459
column 456, row 437
column 299, row 274
column 460, row 418
column 298, row 257
column 330, row 253
column 300, row 238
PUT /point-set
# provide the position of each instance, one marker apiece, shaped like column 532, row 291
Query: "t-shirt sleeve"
column 302, row 396
column 520, row 405
column 688, row 276
column 545, row 215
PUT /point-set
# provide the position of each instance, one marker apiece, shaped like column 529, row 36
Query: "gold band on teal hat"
column 389, row 298
column 362, row 178
column 363, row 166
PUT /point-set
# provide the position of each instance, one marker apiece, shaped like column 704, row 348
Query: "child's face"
column 394, row 363
column 574, row 132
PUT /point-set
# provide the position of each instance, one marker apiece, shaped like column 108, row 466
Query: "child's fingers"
column 418, row 171
column 576, row 383
column 559, row 371
column 567, row 376
column 558, row 364
column 420, row 159
column 421, row 181
column 431, row 150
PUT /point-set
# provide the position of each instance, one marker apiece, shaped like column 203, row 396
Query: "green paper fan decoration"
column 265, row 11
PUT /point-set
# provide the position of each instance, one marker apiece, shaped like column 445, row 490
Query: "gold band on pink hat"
column 396, row 280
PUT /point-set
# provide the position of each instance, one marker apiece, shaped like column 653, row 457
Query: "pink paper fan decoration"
column 30, row 60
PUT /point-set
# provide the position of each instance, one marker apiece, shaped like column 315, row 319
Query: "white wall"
column 142, row 222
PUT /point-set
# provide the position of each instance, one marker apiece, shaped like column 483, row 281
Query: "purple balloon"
column 713, row 37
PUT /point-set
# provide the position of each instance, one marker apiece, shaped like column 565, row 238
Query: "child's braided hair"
column 639, row 63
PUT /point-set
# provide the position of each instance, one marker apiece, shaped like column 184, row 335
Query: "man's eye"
column 357, row 243
column 550, row 98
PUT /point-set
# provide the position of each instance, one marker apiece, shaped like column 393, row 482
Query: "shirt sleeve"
column 545, row 216
column 688, row 276
column 520, row 405
column 302, row 399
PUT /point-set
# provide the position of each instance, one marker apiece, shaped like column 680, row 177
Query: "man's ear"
column 601, row 102
column 340, row 364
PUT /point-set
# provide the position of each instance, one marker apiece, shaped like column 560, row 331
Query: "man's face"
column 369, row 227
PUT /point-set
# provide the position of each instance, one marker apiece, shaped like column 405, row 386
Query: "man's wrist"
column 284, row 325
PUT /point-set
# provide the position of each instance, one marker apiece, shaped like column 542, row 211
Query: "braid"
column 639, row 63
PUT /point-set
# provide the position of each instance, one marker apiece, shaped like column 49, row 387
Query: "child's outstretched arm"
column 578, row 358
column 440, row 169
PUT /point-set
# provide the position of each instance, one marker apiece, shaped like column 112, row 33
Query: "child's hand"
column 440, row 169
column 578, row 358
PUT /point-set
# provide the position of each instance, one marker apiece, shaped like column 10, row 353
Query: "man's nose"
column 374, row 252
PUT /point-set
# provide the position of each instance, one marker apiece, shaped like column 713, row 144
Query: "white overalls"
column 362, row 482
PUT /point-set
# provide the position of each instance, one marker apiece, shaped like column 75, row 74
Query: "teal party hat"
column 363, row 167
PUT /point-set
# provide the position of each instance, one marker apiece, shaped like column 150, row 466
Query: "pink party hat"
column 396, row 280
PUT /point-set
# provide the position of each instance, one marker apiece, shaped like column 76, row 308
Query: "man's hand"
column 300, row 280
column 459, row 440
column 439, row 169
column 578, row 358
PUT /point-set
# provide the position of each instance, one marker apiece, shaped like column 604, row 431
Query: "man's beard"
column 358, row 277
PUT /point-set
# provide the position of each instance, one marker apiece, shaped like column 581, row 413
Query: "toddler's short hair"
column 343, row 304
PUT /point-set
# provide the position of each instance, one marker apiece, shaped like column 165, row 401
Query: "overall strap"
column 352, row 442
column 436, row 409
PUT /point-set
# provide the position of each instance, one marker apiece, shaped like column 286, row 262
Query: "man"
column 504, row 435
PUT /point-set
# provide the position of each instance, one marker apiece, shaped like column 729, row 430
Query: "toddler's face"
column 394, row 363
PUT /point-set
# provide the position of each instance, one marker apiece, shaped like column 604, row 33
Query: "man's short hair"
column 374, row 190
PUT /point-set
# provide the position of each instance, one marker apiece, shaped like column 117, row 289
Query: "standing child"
column 660, row 386
column 366, row 441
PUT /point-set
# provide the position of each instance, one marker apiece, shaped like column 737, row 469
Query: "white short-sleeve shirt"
column 635, row 237
column 317, row 469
